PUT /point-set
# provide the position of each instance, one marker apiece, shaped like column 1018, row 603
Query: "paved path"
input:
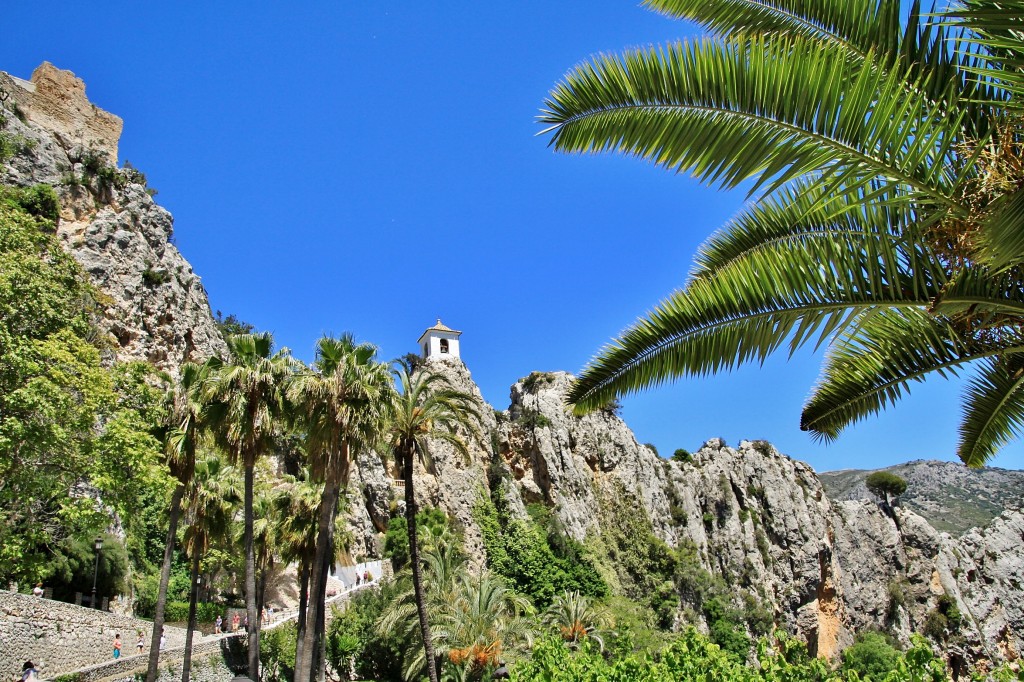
column 126, row 666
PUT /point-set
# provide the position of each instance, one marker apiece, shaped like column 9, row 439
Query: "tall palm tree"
column 425, row 408
column 211, row 501
column 884, row 147
column 340, row 408
column 182, row 431
column 298, row 514
column 246, row 410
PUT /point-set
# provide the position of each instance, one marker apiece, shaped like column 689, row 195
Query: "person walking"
column 234, row 622
column 163, row 640
column 29, row 672
column 117, row 646
column 217, row 625
column 140, row 642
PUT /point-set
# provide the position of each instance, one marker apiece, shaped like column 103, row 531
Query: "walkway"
column 202, row 645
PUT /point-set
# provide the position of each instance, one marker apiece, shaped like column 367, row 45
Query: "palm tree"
column 576, row 618
column 483, row 620
column 474, row 617
column 340, row 408
column 884, row 146
column 212, row 498
column 247, row 407
column 182, row 431
column 426, row 408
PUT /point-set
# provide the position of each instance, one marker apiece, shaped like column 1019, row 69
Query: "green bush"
column 38, row 200
column 534, row 556
column 682, row 455
column 871, row 656
column 277, row 653
column 177, row 612
column 353, row 636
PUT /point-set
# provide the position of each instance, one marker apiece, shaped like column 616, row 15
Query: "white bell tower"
column 440, row 342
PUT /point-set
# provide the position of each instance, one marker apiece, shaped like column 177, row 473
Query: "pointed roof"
column 439, row 327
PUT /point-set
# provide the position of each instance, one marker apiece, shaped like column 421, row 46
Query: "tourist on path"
column 163, row 641
column 234, row 622
column 216, row 624
column 29, row 672
column 38, row 590
column 117, row 646
column 140, row 643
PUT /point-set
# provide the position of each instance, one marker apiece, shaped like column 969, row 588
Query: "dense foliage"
column 534, row 555
column 60, row 475
column 692, row 656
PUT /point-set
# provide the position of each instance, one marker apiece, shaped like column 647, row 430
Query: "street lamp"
column 98, row 545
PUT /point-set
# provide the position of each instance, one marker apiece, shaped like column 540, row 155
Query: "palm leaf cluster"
column 884, row 145
column 248, row 405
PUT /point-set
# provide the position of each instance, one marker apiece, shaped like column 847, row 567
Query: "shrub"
column 652, row 447
column 682, row 455
column 277, row 653
column 38, row 200
column 154, row 278
column 871, row 656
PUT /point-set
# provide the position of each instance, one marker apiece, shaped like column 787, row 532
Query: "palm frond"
column 993, row 410
column 796, row 291
column 770, row 110
column 873, row 363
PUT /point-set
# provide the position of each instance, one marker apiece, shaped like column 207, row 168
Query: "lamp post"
column 98, row 545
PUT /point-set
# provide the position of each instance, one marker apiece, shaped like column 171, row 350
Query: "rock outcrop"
column 154, row 307
column 756, row 518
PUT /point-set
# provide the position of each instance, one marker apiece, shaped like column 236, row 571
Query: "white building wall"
column 434, row 345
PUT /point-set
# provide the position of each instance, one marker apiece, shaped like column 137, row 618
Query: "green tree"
column 886, row 485
column 883, row 146
column 425, row 408
column 340, row 405
column 53, row 392
column 247, row 407
column 871, row 656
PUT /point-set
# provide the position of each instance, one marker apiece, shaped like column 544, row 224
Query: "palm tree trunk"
column 320, row 654
column 165, row 575
column 304, row 670
column 193, row 596
column 300, row 629
column 253, row 635
column 414, row 558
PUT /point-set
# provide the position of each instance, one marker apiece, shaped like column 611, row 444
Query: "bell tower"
column 440, row 341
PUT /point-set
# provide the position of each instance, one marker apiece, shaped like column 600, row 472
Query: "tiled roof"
column 439, row 327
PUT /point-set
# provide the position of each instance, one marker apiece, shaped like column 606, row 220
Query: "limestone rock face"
column 154, row 306
column 754, row 517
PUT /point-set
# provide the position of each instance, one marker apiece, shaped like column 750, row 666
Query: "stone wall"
column 60, row 637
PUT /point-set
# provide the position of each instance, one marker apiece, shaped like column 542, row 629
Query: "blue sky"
column 372, row 166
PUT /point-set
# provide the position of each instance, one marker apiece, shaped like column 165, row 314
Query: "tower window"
column 444, row 345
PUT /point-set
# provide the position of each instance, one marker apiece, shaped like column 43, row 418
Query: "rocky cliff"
column 154, row 306
column 952, row 497
column 755, row 518
column 750, row 517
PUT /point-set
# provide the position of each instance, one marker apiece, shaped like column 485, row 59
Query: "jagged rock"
column 153, row 305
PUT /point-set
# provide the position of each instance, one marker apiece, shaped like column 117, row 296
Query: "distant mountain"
column 952, row 497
